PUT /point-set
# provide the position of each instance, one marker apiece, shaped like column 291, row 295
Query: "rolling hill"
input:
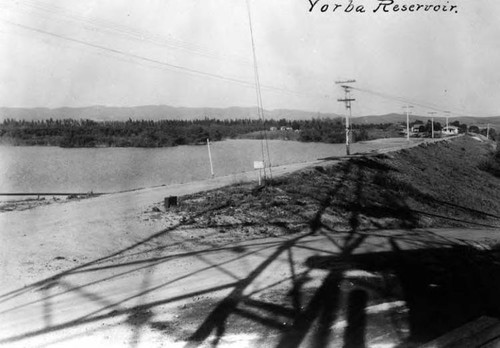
column 166, row 112
column 152, row 112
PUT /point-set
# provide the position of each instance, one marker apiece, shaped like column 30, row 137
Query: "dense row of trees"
column 88, row 133
column 333, row 131
column 142, row 133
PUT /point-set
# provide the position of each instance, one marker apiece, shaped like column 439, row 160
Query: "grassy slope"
column 438, row 185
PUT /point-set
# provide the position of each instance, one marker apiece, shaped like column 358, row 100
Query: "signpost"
column 259, row 165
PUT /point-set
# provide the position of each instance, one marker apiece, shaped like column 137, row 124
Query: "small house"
column 416, row 128
column 449, row 130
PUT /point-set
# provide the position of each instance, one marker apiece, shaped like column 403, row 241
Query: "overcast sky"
column 198, row 53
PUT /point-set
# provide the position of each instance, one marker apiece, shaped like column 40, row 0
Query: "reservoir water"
column 29, row 169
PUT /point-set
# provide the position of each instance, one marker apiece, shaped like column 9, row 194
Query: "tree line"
column 462, row 128
column 164, row 133
column 130, row 133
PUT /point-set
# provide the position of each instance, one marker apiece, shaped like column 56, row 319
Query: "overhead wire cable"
column 163, row 64
column 424, row 105
column 400, row 99
column 140, row 35
column 119, row 52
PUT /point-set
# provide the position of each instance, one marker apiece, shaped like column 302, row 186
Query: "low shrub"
column 492, row 164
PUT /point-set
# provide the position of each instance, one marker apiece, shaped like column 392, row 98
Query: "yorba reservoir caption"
column 381, row 6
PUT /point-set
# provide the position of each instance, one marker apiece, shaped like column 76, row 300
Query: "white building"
column 450, row 130
column 416, row 128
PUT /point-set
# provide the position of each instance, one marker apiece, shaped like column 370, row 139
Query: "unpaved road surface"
column 165, row 294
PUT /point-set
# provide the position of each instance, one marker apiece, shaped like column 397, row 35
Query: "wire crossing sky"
column 199, row 54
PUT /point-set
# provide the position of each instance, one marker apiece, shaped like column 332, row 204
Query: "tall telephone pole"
column 432, row 113
column 408, row 112
column 347, row 100
column 447, row 116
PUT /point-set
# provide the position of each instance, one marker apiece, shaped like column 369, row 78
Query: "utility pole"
column 447, row 115
column 408, row 107
column 432, row 122
column 347, row 100
column 488, row 132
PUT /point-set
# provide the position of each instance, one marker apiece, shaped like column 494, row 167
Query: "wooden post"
column 210, row 158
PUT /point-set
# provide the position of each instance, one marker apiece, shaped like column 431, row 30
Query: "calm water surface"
column 54, row 169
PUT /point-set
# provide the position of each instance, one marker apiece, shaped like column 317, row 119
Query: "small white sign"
column 258, row 165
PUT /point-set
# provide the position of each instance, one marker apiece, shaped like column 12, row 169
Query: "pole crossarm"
column 347, row 81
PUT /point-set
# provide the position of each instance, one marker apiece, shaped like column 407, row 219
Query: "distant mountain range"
column 165, row 112
column 152, row 112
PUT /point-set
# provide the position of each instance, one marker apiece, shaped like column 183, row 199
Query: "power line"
column 142, row 36
column 139, row 35
column 399, row 99
column 128, row 54
column 165, row 65
column 424, row 105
